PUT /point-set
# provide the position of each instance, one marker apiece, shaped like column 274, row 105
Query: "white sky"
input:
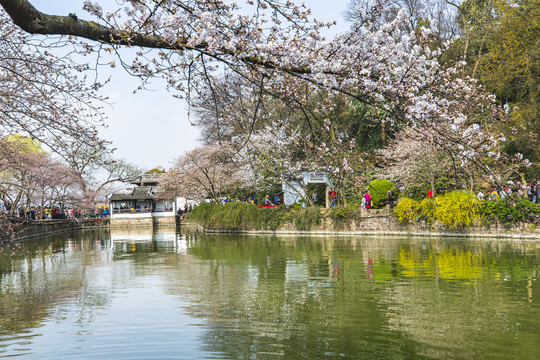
column 151, row 128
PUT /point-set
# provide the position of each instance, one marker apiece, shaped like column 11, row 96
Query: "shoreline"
column 37, row 228
column 30, row 229
column 347, row 233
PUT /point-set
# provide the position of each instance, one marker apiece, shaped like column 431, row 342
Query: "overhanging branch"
column 33, row 21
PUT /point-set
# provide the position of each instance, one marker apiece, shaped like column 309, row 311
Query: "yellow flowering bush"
column 406, row 210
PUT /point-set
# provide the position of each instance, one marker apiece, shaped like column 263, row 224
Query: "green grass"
column 241, row 216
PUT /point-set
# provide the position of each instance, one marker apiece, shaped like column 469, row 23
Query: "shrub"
column 340, row 213
column 510, row 210
column 378, row 189
column 231, row 216
column 457, row 209
column 242, row 216
column 426, row 209
column 406, row 210
column 306, row 218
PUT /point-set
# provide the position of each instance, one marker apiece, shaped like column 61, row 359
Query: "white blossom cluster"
column 278, row 47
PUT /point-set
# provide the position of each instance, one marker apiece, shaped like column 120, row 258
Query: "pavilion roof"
column 137, row 193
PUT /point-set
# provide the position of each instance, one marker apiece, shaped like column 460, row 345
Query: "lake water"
column 162, row 294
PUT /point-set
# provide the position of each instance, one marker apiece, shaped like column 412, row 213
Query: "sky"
column 151, row 128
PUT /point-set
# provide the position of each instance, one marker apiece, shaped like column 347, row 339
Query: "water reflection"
column 147, row 239
column 231, row 296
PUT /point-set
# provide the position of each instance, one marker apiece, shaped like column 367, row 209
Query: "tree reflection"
column 363, row 296
column 293, row 297
column 52, row 271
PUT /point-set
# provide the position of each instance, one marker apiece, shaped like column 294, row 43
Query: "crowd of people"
column 53, row 212
column 525, row 191
column 276, row 200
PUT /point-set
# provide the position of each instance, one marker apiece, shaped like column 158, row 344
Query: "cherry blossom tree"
column 413, row 161
column 96, row 168
column 41, row 95
column 30, row 176
column 416, row 158
column 278, row 49
column 209, row 171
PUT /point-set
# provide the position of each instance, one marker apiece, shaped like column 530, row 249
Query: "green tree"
column 501, row 44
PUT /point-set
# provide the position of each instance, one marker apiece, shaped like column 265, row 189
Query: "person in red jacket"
column 333, row 196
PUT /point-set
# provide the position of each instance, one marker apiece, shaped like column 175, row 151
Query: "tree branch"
column 33, row 21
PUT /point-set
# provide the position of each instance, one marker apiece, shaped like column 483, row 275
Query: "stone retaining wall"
column 147, row 221
column 124, row 222
column 383, row 223
column 34, row 228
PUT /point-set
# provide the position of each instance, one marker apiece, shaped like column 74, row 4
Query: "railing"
column 127, row 211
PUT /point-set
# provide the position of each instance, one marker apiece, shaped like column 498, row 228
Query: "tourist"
column 519, row 190
column 480, row 195
column 493, row 195
column 390, row 198
column 333, row 196
column 368, row 200
column 267, row 201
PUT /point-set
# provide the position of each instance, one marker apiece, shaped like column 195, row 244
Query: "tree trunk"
column 479, row 56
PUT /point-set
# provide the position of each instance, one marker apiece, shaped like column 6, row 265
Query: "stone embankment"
column 28, row 229
column 381, row 222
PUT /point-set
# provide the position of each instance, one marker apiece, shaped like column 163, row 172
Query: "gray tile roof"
column 147, row 179
column 138, row 193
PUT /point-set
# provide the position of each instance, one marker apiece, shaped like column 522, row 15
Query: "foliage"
column 30, row 176
column 236, row 216
column 277, row 48
column 209, row 171
column 406, row 210
column 426, row 209
column 509, row 210
column 456, row 209
column 378, row 189
column 231, row 216
column 24, row 143
column 42, row 94
column 341, row 214
column 501, row 43
column 156, row 170
column 305, row 219
column 327, row 96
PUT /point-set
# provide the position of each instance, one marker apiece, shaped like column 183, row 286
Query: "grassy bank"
column 241, row 216
column 455, row 211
